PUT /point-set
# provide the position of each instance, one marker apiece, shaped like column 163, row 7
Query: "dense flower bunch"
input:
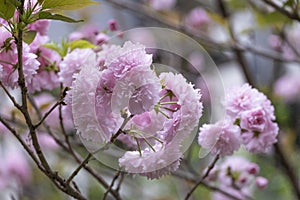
column 237, row 176
column 123, row 98
column 249, row 120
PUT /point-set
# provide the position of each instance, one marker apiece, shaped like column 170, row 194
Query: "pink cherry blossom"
column 138, row 90
column 152, row 164
column 83, row 105
column 197, row 18
column 254, row 120
column 221, row 138
column 261, row 142
column 9, row 74
column 72, row 64
column 288, row 87
column 240, row 99
column 41, row 26
column 46, row 76
column 236, row 176
column 164, row 156
column 188, row 102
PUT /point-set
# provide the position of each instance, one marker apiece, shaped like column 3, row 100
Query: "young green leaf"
column 7, row 9
column 66, row 4
column 48, row 15
column 16, row 3
column 29, row 36
column 55, row 47
column 80, row 44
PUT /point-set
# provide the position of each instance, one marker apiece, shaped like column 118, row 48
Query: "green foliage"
column 273, row 18
column 48, row 15
column 66, row 4
column 7, row 9
column 63, row 49
column 29, row 36
column 238, row 4
column 80, row 44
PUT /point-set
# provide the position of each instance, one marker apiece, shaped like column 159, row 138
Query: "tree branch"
column 209, row 168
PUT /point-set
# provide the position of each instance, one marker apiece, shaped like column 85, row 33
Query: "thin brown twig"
column 291, row 15
column 120, row 131
column 183, row 175
column 209, row 168
column 47, row 114
column 82, row 164
column 13, row 100
column 112, row 184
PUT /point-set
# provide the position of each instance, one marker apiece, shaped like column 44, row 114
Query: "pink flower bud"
column 113, row 25
column 261, row 182
column 253, row 169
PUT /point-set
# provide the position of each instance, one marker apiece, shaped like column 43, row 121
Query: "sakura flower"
column 254, row 120
column 234, row 177
column 41, row 26
column 261, row 142
column 164, row 154
column 197, row 18
column 72, row 64
column 259, row 132
column 138, row 91
column 83, row 105
column 188, row 99
column 150, row 163
column 222, row 138
column 288, row 87
column 46, row 76
column 9, row 75
column 122, row 60
column 245, row 98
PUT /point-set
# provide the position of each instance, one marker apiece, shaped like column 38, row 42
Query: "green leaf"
column 66, row 4
column 272, row 18
column 7, row 9
column 237, row 4
column 48, row 15
column 16, row 3
column 29, row 36
column 80, row 44
column 57, row 48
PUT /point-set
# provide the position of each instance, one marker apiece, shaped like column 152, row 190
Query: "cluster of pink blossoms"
column 152, row 113
column 249, row 121
column 44, row 68
column 237, row 176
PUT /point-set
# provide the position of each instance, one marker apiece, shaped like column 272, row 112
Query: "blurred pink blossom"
column 288, row 87
column 197, row 19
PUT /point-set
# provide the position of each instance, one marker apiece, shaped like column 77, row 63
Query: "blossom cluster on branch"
column 88, row 92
